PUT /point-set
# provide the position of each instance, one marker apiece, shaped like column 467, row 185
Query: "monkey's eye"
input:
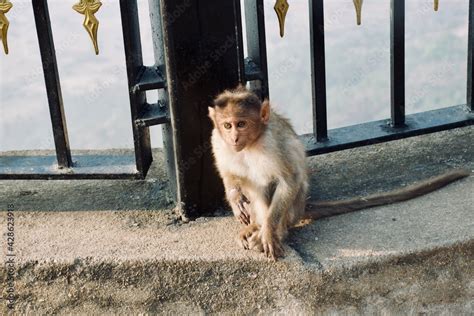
column 227, row 125
column 241, row 124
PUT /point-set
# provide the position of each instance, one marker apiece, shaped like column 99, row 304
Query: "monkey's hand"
column 242, row 202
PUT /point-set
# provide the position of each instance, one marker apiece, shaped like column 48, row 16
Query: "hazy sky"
column 95, row 89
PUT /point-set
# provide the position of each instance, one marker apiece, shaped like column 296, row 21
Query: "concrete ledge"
column 431, row 282
column 96, row 262
column 408, row 258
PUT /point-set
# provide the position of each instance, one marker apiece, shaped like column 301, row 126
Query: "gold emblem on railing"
column 358, row 7
column 5, row 6
column 281, row 8
column 436, row 5
column 91, row 24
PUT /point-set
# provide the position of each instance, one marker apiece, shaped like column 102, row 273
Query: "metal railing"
column 185, row 33
column 143, row 114
column 399, row 125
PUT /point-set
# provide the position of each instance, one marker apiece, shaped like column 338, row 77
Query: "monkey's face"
column 238, row 132
column 240, row 117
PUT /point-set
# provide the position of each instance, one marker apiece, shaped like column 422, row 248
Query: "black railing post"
column 202, row 59
column 134, row 59
column 397, row 62
column 53, row 85
column 256, row 44
column 470, row 58
column 160, row 61
column 240, row 41
column 318, row 69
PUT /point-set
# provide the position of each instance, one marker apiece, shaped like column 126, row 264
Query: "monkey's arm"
column 237, row 200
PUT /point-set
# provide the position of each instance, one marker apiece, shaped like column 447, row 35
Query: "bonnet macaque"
column 263, row 166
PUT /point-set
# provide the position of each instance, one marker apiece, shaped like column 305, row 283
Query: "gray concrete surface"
column 407, row 258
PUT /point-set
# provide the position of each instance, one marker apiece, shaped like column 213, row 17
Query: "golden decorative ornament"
column 281, row 8
column 358, row 7
column 436, row 5
column 91, row 24
column 5, row 6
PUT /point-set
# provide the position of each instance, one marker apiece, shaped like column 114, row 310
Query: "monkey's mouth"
column 237, row 147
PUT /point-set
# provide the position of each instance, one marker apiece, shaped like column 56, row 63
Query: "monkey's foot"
column 248, row 235
column 271, row 244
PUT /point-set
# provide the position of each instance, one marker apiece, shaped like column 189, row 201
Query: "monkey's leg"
column 272, row 231
column 270, row 243
column 251, row 238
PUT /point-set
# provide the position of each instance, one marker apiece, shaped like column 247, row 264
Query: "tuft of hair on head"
column 239, row 96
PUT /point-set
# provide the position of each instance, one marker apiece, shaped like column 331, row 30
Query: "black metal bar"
column 380, row 131
column 252, row 70
column 133, row 55
column 87, row 166
column 149, row 78
column 200, row 43
column 397, row 61
column 153, row 114
column 240, row 41
column 470, row 58
column 256, row 44
column 318, row 69
column 53, row 85
column 160, row 61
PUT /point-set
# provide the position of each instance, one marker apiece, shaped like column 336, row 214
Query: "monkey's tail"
column 320, row 209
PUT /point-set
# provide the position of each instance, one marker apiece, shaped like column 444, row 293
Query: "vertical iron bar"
column 202, row 59
column 397, row 60
column 256, row 43
column 470, row 58
column 160, row 61
column 318, row 69
column 133, row 55
column 53, row 85
column 240, row 40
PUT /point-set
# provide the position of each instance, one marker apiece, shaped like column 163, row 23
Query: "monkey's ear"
column 265, row 111
column 212, row 113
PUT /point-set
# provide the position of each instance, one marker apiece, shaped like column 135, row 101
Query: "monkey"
column 263, row 166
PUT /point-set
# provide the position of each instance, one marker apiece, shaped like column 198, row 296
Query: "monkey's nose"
column 236, row 140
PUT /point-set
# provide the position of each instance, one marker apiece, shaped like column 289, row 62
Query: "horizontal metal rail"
column 382, row 131
column 96, row 166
